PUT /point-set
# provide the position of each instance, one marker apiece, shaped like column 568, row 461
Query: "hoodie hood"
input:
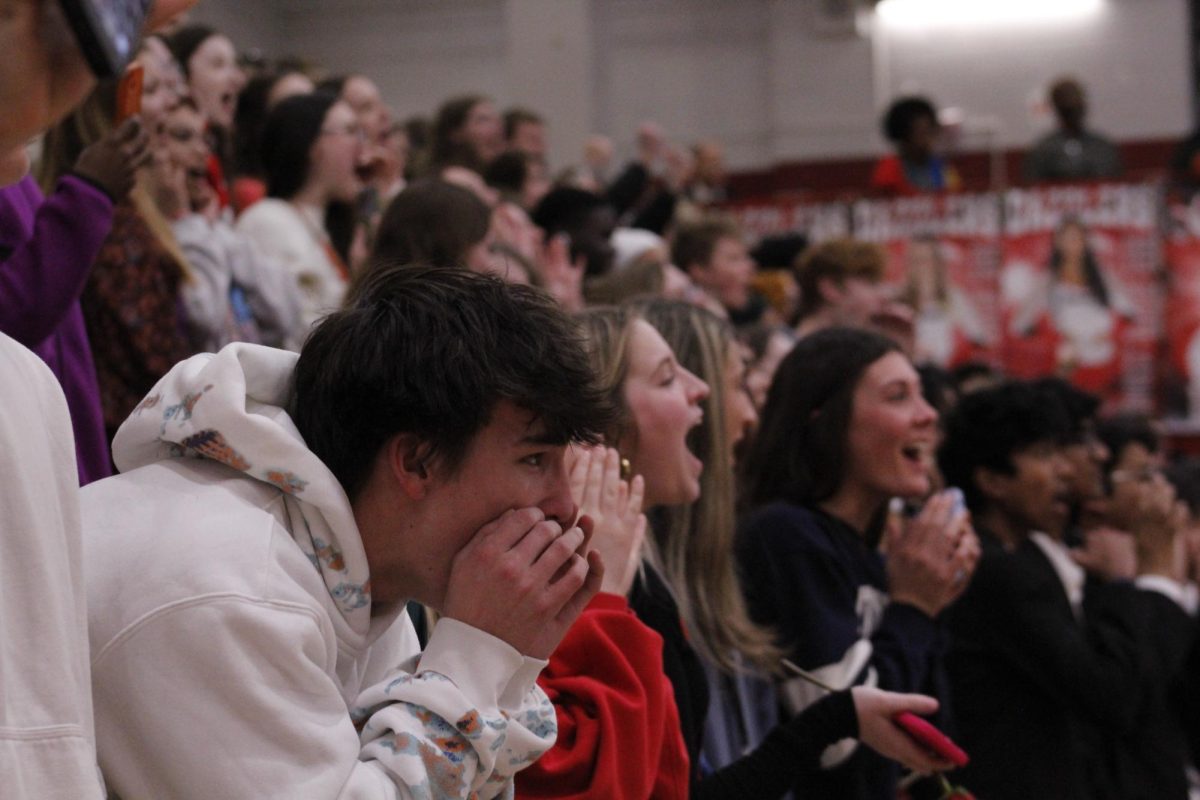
column 229, row 407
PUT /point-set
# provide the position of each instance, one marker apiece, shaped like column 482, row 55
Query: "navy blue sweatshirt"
column 815, row 580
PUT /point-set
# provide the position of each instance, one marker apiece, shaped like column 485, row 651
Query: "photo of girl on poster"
column 948, row 328
column 1075, row 306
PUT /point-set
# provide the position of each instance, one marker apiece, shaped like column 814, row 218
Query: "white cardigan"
column 295, row 237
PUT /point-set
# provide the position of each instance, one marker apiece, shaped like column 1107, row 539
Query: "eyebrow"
column 896, row 383
column 537, row 434
column 543, row 438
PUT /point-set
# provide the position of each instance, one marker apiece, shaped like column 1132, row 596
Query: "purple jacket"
column 47, row 247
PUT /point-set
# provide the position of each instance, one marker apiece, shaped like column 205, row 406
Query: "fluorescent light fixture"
column 917, row 14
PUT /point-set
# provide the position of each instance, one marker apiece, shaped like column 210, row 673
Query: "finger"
column 129, row 129
column 592, row 580
column 555, row 559
column 510, row 527
column 537, row 540
column 140, row 143
column 578, row 477
column 585, row 524
column 920, row 704
column 622, row 501
column 637, row 493
column 612, row 479
column 568, row 580
column 635, row 550
column 942, row 515
column 141, row 159
column 595, row 477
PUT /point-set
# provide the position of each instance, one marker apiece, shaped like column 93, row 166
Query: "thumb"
column 918, row 704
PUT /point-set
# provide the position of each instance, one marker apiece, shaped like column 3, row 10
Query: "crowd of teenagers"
column 412, row 468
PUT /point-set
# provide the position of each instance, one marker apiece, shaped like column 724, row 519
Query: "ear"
column 992, row 485
column 830, row 291
column 407, row 462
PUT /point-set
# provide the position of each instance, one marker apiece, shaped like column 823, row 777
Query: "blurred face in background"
column 762, row 372
column 184, row 142
column 728, row 273
column 529, row 137
column 1086, row 456
column 484, row 131
column 740, row 415
column 336, row 155
column 1035, row 496
column 289, row 85
column 363, row 97
column 215, row 79
column 922, row 137
column 162, row 86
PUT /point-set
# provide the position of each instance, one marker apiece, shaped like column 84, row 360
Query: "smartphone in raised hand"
column 129, row 93
column 108, row 31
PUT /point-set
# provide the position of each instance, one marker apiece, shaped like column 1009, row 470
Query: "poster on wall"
column 1079, row 288
column 943, row 258
column 1181, row 381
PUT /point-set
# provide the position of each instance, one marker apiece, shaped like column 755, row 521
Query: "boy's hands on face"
column 524, row 579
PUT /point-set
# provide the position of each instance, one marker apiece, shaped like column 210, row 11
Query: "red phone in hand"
column 129, row 93
column 931, row 738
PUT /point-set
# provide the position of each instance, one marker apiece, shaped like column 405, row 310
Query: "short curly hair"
column 901, row 114
column 989, row 426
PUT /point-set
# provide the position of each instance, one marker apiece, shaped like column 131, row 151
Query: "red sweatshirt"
column 618, row 728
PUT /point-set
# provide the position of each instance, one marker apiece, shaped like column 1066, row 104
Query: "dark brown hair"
column 431, row 352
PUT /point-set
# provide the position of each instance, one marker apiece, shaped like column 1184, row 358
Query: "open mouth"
column 692, row 442
column 366, row 172
column 917, row 454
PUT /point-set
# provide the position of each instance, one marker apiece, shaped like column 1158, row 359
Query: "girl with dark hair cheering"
column 844, row 431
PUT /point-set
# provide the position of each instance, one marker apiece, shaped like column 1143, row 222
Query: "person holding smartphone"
column 845, row 429
column 47, row 248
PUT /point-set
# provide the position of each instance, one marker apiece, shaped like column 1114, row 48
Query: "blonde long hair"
column 90, row 122
column 692, row 547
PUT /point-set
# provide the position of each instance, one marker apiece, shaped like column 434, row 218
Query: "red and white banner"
column 1181, row 378
column 943, row 257
column 818, row 222
column 1080, row 293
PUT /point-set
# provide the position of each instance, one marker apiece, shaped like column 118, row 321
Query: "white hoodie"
column 234, row 654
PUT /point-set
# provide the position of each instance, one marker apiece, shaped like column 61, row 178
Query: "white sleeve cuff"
column 523, row 680
column 1184, row 594
column 479, row 664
